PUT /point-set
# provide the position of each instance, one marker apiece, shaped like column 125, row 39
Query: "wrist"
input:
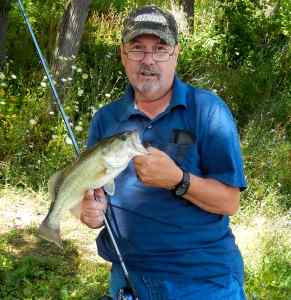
column 177, row 178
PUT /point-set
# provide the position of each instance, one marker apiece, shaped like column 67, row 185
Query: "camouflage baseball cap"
column 150, row 19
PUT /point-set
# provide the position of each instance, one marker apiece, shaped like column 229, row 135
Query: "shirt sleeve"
column 221, row 154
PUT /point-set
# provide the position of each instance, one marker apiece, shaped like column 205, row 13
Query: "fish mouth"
column 137, row 145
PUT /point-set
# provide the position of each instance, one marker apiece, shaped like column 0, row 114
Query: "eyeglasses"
column 158, row 55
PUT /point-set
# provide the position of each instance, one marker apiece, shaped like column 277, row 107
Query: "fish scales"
column 95, row 168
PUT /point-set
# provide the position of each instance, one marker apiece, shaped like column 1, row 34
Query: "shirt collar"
column 179, row 98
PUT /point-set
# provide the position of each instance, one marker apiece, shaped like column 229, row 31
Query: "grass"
column 31, row 268
column 265, row 244
column 34, row 269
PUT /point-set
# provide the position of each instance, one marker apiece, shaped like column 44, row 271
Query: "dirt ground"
column 19, row 210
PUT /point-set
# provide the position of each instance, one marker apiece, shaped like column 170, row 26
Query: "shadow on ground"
column 31, row 268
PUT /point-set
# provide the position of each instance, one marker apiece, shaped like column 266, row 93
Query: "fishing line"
column 72, row 137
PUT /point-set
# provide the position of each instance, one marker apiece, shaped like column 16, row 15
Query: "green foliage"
column 268, row 166
column 104, row 6
column 37, row 270
column 272, row 279
column 44, row 17
column 252, row 29
column 250, row 51
column 29, row 135
column 106, row 77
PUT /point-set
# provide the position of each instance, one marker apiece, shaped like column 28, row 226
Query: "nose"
column 148, row 58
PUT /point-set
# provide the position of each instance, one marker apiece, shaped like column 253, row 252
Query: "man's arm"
column 213, row 196
column 159, row 170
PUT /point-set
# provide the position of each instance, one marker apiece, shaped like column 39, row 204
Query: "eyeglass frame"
column 145, row 52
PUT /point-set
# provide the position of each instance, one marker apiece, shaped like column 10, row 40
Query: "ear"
column 119, row 49
column 122, row 55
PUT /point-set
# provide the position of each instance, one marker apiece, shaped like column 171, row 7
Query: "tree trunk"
column 188, row 7
column 4, row 11
column 68, row 42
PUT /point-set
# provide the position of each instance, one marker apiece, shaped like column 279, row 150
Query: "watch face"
column 180, row 190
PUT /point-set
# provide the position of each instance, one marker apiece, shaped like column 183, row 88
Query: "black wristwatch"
column 182, row 187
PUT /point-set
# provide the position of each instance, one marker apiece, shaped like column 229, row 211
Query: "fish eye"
column 123, row 137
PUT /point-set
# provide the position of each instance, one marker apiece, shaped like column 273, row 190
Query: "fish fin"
column 50, row 234
column 109, row 188
column 76, row 211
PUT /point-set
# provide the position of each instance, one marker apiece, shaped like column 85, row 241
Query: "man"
column 170, row 210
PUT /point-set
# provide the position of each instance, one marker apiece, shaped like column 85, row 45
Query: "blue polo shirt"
column 158, row 233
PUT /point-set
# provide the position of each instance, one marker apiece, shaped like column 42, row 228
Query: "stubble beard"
column 150, row 89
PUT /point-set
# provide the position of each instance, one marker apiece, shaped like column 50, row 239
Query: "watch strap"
column 182, row 187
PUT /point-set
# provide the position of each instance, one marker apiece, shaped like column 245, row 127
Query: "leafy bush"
column 252, row 51
column 44, row 17
column 268, row 166
column 251, row 29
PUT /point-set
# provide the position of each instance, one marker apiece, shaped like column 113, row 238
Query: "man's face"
column 150, row 79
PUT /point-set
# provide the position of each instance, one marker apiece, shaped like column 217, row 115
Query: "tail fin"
column 50, row 234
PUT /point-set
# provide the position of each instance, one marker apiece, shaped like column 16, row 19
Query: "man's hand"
column 157, row 169
column 92, row 211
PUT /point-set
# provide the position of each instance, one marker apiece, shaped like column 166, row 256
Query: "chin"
column 149, row 87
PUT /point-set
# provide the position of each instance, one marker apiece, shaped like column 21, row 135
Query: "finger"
column 97, row 205
column 137, row 164
column 93, row 213
column 153, row 150
column 139, row 169
column 89, row 195
column 138, row 175
column 92, row 223
column 139, row 159
column 99, row 195
column 88, row 203
column 92, row 204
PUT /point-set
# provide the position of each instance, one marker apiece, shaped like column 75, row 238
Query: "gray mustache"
column 148, row 71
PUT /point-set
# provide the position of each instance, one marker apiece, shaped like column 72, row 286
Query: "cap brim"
column 168, row 39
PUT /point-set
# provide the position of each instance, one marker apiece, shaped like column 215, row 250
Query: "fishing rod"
column 126, row 293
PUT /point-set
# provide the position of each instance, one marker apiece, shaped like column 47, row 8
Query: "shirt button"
column 149, row 126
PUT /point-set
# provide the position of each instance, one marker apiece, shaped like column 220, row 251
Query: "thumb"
column 89, row 194
column 99, row 193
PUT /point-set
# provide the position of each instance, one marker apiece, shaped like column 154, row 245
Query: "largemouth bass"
column 95, row 168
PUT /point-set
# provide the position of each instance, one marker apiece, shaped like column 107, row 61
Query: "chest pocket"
column 179, row 153
column 185, row 155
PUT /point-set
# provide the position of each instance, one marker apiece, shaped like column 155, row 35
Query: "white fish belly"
column 73, row 188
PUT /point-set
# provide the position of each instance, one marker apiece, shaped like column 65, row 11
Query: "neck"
column 153, row 107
